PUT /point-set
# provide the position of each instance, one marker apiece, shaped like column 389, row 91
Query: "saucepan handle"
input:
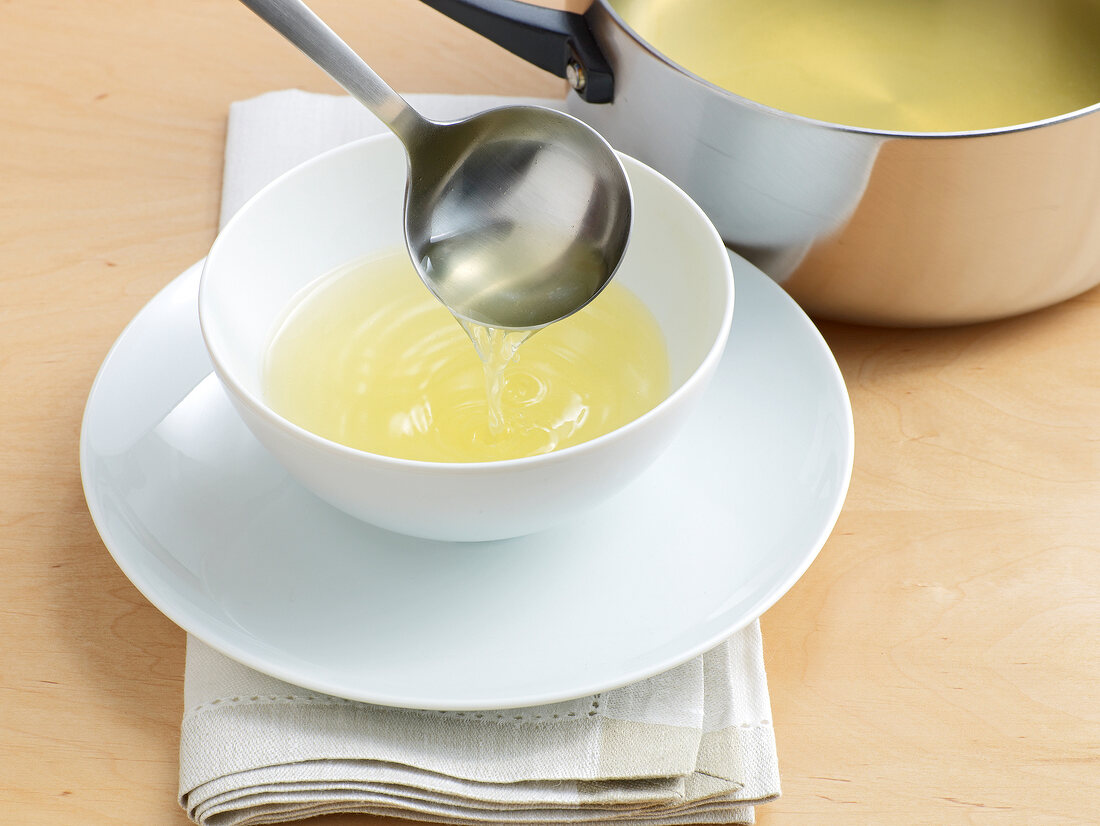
column 560, row 42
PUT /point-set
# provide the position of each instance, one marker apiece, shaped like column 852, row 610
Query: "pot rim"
column 617, row 19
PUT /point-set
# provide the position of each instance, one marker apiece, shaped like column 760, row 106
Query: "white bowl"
column 347, row 203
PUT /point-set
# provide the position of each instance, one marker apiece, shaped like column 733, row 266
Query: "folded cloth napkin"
column 693, row 745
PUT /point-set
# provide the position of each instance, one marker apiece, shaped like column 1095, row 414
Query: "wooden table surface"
column 936, row 665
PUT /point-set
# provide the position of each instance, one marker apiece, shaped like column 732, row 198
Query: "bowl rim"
column 338, row 450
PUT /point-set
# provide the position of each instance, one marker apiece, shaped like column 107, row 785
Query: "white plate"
column 214, row 533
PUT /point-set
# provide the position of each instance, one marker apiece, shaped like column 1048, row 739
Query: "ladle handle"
column 295, row 21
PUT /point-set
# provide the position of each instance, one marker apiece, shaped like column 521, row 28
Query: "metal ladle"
column 515, row 218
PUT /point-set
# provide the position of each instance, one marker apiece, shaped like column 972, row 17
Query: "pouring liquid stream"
column 497, row 348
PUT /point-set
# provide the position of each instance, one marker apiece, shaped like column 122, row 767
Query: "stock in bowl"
column 347, row 204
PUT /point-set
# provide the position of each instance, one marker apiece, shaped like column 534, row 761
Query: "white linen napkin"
column 693, row 745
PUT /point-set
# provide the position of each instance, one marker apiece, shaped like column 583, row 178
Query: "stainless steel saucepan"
column 858, row 224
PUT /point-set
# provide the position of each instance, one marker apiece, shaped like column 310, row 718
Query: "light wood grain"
column 936, row 665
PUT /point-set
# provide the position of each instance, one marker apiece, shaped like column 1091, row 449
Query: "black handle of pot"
column 558, row 41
